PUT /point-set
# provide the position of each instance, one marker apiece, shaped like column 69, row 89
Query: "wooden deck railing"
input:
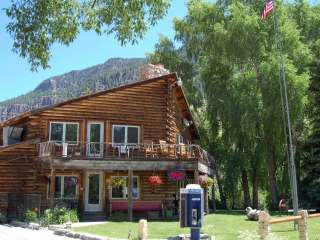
column 265, row 223
column 110, row 151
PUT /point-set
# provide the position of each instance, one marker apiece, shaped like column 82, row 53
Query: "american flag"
column 267, row 9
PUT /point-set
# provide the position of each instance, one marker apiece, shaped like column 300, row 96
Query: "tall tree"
column 36, row 25
column 238, row 69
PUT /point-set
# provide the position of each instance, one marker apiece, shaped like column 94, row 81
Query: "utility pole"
column 285, row 102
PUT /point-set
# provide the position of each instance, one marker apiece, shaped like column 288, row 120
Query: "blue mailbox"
column 191, row 209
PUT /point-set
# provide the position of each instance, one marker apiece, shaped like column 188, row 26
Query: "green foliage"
column 36, row 25
column 30, row 216
column 58, row 216
column 234, row 86
column 206, row 182
column 118, row 181
column 222, row 225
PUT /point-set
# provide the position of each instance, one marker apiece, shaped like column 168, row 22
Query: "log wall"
column 151, row 105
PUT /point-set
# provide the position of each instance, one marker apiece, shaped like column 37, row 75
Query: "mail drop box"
column 191, row 206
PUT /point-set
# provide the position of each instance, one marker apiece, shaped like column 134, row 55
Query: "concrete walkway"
column 84, row 224
column 16, row 233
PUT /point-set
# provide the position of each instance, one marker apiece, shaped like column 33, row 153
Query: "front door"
column 94, row 192
column 95, row 139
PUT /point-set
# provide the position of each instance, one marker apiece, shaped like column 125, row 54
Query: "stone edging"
column 82, row 236
column 33, row 226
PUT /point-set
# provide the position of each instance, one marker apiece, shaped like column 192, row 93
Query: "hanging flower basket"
column 176, row 175
column 118, row 181
column 155, row 180
column 205, row 181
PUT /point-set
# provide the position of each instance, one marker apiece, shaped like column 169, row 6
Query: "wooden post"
column 206, row 200
column 130, row 194
column 303, row 225
column 264, row 223
column 196, row 176
column 143, row 229
column 52, row 186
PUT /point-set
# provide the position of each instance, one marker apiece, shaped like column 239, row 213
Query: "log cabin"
column 106, row 152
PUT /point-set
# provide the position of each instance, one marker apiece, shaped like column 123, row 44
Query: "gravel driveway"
column 16, row 233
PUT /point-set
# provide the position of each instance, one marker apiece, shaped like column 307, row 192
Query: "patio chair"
column 149, row 149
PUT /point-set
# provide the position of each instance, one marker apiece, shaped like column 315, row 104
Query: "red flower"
column 155, row 180
column 177, row 175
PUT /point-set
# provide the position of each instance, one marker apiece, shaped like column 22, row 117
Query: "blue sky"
column 88, row 49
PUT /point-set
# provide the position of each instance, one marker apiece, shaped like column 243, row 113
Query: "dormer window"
column 64, row 132
column 11, row 135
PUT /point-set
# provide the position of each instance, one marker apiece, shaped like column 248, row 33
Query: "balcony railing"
column 113, row 151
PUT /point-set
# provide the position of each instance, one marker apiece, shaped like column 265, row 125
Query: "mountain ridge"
column 112, row 73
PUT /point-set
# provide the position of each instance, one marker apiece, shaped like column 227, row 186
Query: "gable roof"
column 180, row 97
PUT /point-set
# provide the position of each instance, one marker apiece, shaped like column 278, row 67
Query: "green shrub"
column 30, row 216
column 58, row 216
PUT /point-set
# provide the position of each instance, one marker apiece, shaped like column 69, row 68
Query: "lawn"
column 224, row 226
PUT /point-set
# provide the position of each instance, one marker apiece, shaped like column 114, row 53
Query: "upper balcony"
column 147, row 154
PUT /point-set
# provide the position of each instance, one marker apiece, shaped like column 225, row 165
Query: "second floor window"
column 125, row 134
column 64, row 132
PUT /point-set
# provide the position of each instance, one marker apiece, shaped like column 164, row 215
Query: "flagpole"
column 284, row 96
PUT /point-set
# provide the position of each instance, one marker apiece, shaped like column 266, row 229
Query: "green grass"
column 224, row 226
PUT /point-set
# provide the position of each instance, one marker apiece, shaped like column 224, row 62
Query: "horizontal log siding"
column 143, row 105
column 18, row 169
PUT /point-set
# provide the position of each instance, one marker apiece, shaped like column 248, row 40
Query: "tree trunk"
column 245, row 188
column 271, row 166
column 213, row 194
column 255, row 196
column 220, row 188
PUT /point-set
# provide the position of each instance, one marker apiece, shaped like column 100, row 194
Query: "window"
column 125, row 134
column 65, row 187
column 121, row 192
column 64, row 132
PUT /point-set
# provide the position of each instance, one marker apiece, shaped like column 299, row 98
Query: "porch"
column 97, row 196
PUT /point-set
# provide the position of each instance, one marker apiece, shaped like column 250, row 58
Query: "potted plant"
column 118, row 181
column 155, row 180
column 176, row 175
column 205, row 181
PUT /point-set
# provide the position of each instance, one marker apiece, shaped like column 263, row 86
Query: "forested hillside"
column 112, row 73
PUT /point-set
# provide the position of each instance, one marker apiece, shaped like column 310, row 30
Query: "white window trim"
column 125, row 133
column 62, row 187
column 64, row 131
column 125, row 198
